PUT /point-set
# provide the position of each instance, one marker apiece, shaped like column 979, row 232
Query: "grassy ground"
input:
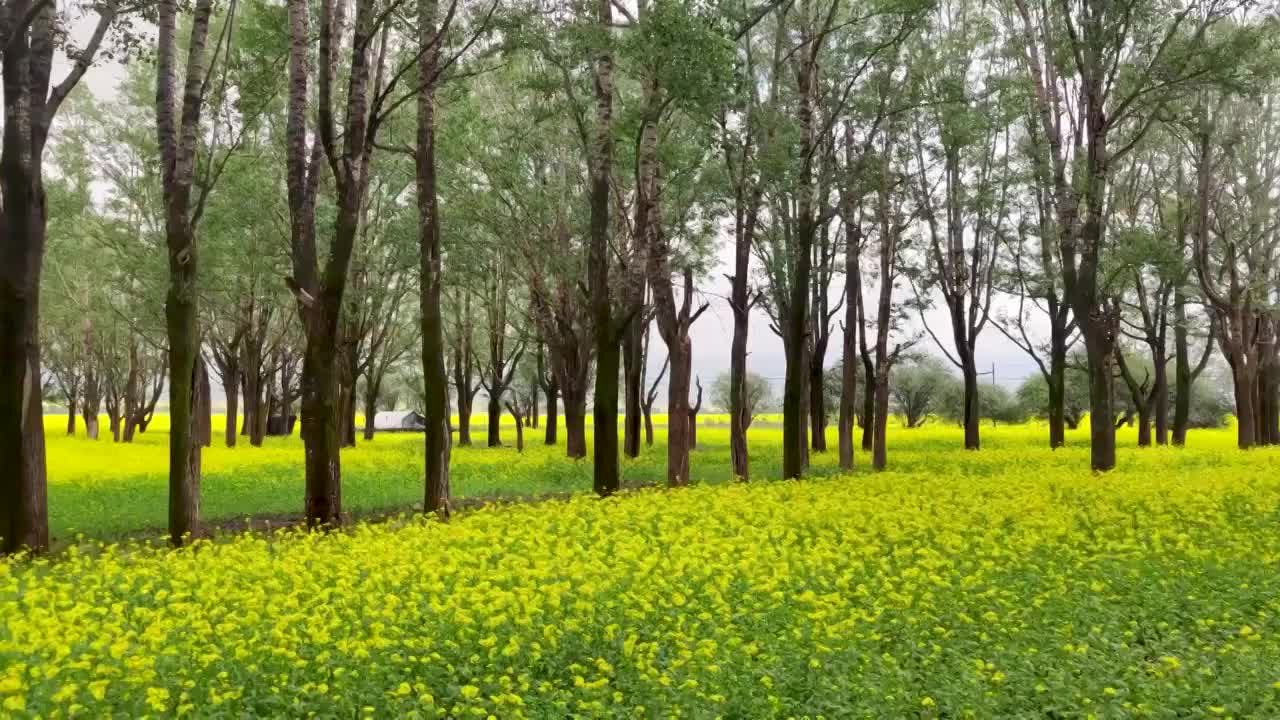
column 103, row 489
column 1007, row 583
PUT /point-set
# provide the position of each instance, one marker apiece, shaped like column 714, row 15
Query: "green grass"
column 105, row 489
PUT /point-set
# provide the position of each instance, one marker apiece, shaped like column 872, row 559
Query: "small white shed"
column 399, row 421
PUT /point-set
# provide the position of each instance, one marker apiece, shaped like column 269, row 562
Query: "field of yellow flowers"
column 999, row 584
column 104, row 489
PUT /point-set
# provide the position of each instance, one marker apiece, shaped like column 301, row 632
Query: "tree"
column 319, row 290
column 178, row 128
column 757, row 395
column 1235, row 250
column 919, row 390
column 1156, row 54
column 30, row 33
column 965, row 202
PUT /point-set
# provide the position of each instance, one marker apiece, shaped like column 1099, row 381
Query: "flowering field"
column 105, row 489
column 1005, row 583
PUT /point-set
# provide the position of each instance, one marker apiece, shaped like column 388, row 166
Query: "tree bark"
column 370, row 406
column 26, row 63
column 575, row 426
column 606, row 479
column 972, row 414
column 632, row 370
column 437, row 439
column 553, row 415
column 177, row 142
column 495, row 420
column 71, row 417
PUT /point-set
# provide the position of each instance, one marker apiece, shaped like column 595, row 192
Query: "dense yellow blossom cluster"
column 953, row 590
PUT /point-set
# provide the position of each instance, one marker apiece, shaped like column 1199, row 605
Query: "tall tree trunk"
column 23, row 502
column 177, row 141
column 849, row 343
column 605, row 471
column 740, row 303
column 434, row 380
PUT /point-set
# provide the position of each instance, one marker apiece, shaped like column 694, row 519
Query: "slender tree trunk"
column 1246, row 429
column 253, row 405
column 648, row 425
column 605, row 470
column 269, row 406
column 518, row 415
column 1144, row 427
column 23, row 485
column 90, row 408
column 739, row 413
column 204, row 404
column 817, row 406
column 694, row 409
column 849, row 342
column 678, row 409
column 575, row 428
column 434, row 379
column 1102, row 432
column 113, row 421
column 370, row 406
column 1057, row 381
column 879, row 454
column 1161, row 399
column 495, row 418
column 231, row 383
column 71, row 417
column 632, row 367
column 464, row 420
column 320, row 426
column 553, row 415
column 972, row 413
column 868, row 403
